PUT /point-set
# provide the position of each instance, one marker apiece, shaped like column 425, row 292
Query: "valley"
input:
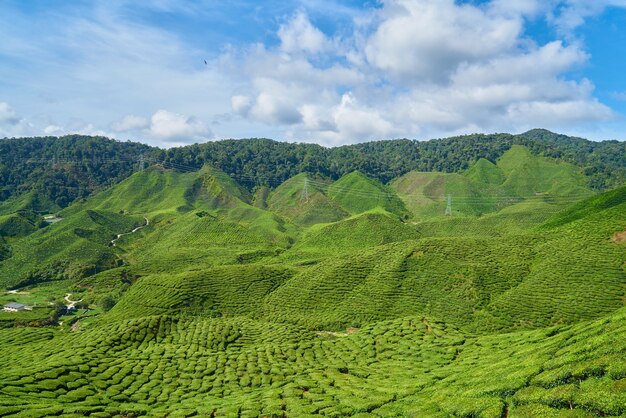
column 494, row 290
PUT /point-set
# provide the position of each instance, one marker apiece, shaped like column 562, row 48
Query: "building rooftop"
column 14, row 305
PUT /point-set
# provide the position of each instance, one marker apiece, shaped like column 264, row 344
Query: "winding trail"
column 71, row 303
column 114, row 240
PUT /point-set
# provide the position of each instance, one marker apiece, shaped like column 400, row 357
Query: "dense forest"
column 61, row 170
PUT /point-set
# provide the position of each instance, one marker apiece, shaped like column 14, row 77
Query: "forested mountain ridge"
column 48, row 173
column 493, row 291
column 58, row 170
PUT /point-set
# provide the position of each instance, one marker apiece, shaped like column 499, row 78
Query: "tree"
column 107, row 302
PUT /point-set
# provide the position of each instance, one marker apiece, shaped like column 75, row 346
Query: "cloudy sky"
column 172, row 72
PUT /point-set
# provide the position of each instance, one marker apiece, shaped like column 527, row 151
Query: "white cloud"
column 130, row 123
column 570, row 14
column 126, row 66
column 171, row 126
column 8, row 115
column 421, row 40
column 417, row 68
column 404, row 68
column 53, row 130
column 241, row 104
column 619, row 95
column 299, row 35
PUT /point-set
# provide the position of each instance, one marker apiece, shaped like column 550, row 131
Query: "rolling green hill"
column 303, row 200
column 208, row 297
column 357, row 193
column 485, row 187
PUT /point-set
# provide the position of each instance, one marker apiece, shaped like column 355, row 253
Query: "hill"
column 47, row 174
column 303, row 200
column 72, row 248
column 202, row 293
column 517, row 176
column 54, row 172
column 357, row 193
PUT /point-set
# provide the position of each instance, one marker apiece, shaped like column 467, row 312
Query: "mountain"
column 303, row 199
column 47, row 174
column 303, row 285
column 56, row 171
column 486, row 187
column 357, row 193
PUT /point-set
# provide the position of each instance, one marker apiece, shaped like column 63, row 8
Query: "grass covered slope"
column 20, row 224
column 302, row 200
column 224, row 307
column 486, row 187
column 410, row 366
column 527, row 174
column 74, row 247
column 357, row 193
column 366, row 230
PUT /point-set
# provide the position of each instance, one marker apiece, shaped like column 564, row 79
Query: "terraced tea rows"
column 412, row 366
column 372, row 304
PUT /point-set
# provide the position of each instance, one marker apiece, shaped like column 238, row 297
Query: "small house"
column 14, row 307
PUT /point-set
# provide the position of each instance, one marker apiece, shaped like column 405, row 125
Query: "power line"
column 305, row 191
column 449, row 207
column 324, row 186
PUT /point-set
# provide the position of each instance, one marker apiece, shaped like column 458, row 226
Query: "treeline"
column 260, row 161
column 257, row 161
column 61, row 170
column 604, row 163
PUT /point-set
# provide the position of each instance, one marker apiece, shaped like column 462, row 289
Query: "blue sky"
column 311, row 70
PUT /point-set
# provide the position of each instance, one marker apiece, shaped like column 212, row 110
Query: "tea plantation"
column 322, row 298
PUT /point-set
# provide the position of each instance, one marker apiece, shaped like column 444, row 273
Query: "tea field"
column 347, row 298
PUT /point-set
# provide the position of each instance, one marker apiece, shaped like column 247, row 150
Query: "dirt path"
column 349, row 330
column 619, row 237
column 71, row 303
column 114, row 240
column 17, row 292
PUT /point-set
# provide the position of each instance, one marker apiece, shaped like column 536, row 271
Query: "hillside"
column 321, row 295
column 304, row 201
column 517, row 176
column 47, row 174
column 357, row 193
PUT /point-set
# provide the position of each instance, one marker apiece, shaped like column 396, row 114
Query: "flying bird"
column 206, row 63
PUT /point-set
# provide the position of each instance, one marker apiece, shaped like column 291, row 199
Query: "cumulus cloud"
column 130, row 123
column 169, row 126
column 299, row 35
column 53, row 130
column 417, row 68
column 567, row 15
column 421, row 40
column 8, row 115
column 404, row 68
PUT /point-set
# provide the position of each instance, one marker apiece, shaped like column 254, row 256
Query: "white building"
column 14, row 307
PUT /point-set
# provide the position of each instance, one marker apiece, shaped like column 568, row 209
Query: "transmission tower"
column 140, row 162
column 449, row 207
column 304, row 197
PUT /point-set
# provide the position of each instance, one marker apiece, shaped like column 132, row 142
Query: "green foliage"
column 107, row 302
column 20, row 224
column 518, row 177
column 53, row 172
column 218, row 301
column 357, row 193
column 305, row 207
column 593, row 205
column 75, row 247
